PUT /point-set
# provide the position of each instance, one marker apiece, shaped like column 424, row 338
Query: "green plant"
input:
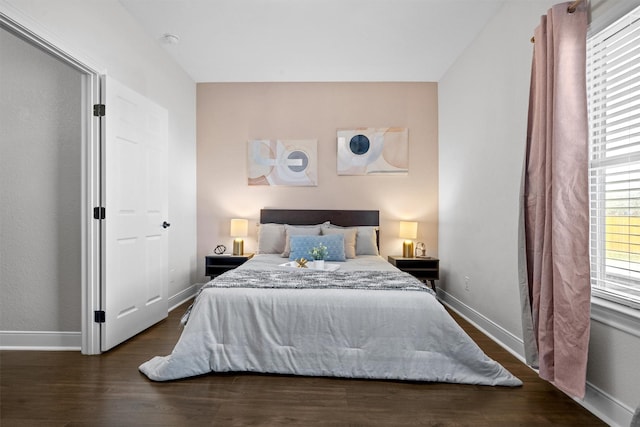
column 319, row 252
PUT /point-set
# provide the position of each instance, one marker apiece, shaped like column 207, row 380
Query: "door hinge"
column 99, row 213
column 98, row 110
column 99, row 316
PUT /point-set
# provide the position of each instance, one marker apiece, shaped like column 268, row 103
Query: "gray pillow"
column 367, row 241
column 271, row 238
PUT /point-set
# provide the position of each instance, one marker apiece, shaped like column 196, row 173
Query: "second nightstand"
column 215, row 265
column 425, row 269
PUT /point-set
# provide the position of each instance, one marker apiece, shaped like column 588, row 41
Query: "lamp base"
column 238, row 247
column 407, row 249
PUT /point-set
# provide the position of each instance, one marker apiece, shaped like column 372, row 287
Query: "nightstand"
column 215, row 265
column 426, row 269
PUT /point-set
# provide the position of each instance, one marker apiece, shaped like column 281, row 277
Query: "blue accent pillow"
column 302, row 245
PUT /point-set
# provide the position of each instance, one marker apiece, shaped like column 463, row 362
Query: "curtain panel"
column 557, row 292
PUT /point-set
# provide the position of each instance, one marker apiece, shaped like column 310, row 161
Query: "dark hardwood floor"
column 69, row 389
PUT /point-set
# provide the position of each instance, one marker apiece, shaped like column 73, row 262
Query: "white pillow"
column 271, row 238
column 349, row 238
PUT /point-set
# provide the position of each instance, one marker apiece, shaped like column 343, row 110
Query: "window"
column 613, row 88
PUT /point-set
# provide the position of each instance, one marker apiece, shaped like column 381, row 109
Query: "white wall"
column 480, row 165
column 101, row 34
column 487, row 89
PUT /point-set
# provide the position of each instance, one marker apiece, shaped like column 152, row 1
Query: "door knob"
column 165, row 224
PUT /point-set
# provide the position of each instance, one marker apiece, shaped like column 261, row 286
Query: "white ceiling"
column 314, row 40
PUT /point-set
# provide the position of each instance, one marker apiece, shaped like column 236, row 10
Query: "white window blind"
column 613, row 88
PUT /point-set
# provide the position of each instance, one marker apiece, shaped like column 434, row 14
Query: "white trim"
column 40, row 340
column 91, row 231
column 183, row 296
column 617, row 316
column 606, row 407
column 47, row 39
column 497, row 333
column 615, row 10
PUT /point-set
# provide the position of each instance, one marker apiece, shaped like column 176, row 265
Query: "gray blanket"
column 314, row 279
column 346, row 331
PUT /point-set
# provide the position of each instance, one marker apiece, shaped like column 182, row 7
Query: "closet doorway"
column 62, row 264
column 43, row 139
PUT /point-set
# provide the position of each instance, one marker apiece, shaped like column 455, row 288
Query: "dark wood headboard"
column 345, row 218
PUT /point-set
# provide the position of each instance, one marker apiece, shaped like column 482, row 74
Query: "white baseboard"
column 40, row 340
column 606, row 407
column 602, row 405
column 183, row 296
column 497, row 333
column 69, row 341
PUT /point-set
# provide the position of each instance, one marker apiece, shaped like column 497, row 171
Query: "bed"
column 358, row 317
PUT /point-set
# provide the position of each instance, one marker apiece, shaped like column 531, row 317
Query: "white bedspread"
column 383, row 334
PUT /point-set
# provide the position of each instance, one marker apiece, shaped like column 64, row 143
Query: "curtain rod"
column 572, row 8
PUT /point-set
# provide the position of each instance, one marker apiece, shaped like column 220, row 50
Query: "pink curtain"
column 556, row 211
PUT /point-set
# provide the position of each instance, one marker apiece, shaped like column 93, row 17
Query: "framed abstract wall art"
column 283, row 162
column 373, row 151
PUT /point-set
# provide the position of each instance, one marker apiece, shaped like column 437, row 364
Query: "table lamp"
column 408, row 232
column 239, row 229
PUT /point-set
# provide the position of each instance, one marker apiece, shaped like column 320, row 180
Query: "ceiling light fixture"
column 168, row 38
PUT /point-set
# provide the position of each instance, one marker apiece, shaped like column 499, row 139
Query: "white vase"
column 318, row 264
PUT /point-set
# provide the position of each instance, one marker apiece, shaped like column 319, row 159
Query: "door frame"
column 20, row 25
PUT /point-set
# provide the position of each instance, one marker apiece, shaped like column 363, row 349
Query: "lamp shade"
column 408, row 229
column 239, row 227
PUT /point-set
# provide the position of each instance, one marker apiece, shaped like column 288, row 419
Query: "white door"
column 135, row 233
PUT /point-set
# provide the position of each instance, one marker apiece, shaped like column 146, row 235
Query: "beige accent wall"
column 230, row 114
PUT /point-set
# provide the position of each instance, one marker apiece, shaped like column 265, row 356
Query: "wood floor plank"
column 67, row 388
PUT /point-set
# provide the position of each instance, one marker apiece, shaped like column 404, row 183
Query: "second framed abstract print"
column 373, row 151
